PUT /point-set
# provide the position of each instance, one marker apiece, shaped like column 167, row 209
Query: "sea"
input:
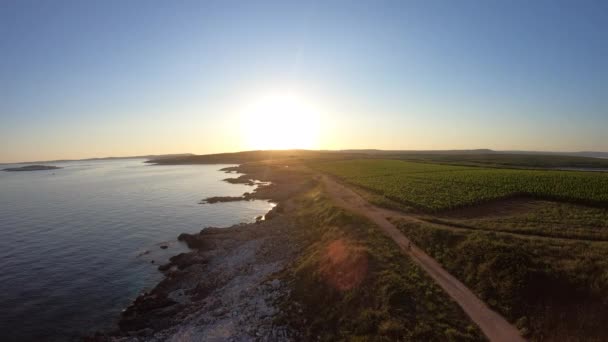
column 78, row 244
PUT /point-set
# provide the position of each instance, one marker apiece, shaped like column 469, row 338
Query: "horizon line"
column 538, row 152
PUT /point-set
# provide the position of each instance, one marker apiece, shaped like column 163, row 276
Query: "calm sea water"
column 72, row 240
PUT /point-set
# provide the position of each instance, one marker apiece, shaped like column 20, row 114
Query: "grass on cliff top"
column 351, row 283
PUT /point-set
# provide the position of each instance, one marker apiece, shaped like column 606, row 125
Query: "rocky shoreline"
column 226, row 288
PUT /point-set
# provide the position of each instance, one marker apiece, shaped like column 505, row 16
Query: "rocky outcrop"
column 220, row 199
column 226, row 288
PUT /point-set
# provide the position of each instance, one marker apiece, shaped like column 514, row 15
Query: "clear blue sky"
column 100, row 78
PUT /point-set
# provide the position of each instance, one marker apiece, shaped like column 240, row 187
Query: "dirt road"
column 492, row 324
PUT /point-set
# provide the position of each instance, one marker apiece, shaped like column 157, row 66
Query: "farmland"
column 504, row 160
column 435, row 187
column 539, row 263
column 536, row 218
column 538, row 258
column 552, row 289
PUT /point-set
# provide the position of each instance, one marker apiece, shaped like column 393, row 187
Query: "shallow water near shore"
column 78, row 243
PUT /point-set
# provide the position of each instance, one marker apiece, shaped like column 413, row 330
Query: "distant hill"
column 589, row 154
column 385, row 152
column 252, row 156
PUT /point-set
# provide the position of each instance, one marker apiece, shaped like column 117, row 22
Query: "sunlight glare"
column 280, row 121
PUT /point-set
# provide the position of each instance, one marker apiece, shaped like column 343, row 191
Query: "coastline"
column 226, row 286
column 310, row 270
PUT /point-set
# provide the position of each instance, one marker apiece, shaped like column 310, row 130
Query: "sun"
column 280, row 121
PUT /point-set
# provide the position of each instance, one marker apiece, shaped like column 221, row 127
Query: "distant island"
column 32, row 168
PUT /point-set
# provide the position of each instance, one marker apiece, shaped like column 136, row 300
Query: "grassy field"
column 508, row 160
column 351, row 283
column 438, row 187
column 554, row 289
column 539, row 218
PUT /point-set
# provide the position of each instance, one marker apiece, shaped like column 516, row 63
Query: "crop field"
column 437, row 187
column 551, row 289
column 507, row 160
column 540, row 218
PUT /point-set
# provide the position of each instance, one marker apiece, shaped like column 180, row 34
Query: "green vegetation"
column 485, row 158
column 542, row 218
column 540, row 263
column 438, row 187
column 351, row 283
column 507, row 160
column 553, row 289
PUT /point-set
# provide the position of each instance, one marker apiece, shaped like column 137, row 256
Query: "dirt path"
column 493, row 325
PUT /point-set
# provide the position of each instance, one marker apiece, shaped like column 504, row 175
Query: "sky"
column 115, row 78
